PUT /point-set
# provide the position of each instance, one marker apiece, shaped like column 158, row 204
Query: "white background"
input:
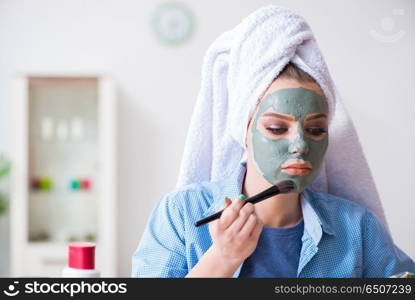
column 158, row 84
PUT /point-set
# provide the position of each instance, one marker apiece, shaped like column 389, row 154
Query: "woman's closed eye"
column 277, row 130
column 316, row 131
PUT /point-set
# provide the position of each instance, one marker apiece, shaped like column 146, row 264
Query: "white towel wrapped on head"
column 237, row 69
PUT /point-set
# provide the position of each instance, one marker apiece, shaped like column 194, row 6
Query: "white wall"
column 157, row 86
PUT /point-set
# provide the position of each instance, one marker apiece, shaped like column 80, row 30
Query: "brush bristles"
column 286, row 186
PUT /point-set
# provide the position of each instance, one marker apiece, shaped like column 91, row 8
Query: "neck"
column 283, row 210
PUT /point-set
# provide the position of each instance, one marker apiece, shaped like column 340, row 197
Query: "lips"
column 296, row 167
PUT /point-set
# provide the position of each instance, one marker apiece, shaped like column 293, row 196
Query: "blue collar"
column 315, row 220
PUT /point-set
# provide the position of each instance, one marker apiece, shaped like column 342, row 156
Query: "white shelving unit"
column 63, row 181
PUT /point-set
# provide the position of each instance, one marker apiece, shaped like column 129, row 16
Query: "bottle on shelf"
column 46, row 129
column 81, row 261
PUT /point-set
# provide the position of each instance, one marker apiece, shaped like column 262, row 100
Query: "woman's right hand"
column 235, row 234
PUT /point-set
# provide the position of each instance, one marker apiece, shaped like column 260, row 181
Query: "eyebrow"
column 273, row 114
column 317, row 116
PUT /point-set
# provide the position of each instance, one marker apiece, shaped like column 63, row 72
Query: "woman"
column 301, row 234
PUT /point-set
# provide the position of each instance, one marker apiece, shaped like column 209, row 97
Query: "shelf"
column 64, row 130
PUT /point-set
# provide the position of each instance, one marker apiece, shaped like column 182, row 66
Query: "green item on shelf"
column 3, row 204
column 75, row 184
column 45, row 183
column 4, row 171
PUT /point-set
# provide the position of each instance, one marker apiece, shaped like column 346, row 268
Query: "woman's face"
column 288, row 134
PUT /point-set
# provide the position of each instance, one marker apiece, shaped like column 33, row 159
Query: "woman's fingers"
column 213, row 226
column 226, row 203
column 230, row 214
column 257, row 229
column 249, row 226
column 244, row 214
column 236, row 232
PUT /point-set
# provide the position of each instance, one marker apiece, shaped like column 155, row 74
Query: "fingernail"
column 242, row 197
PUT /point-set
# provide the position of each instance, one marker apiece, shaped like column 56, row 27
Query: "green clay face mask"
column 290, row 146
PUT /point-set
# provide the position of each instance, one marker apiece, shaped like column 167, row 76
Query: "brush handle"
column 273, row 190
column 209, row 218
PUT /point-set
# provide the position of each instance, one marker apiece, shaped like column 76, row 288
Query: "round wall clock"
column 173, row 23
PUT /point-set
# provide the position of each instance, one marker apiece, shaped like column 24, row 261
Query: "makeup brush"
column 281, row 188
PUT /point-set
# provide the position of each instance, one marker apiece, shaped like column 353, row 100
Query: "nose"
column 298, row 145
